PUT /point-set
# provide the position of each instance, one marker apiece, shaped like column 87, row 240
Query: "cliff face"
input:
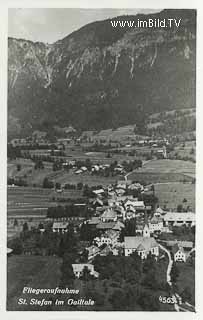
column 99, row 76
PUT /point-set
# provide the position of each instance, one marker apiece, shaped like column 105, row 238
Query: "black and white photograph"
column 101, row 159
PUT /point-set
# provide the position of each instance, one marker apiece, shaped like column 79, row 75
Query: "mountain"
column 102, row 77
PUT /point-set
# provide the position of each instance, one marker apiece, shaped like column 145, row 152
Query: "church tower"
column 146, row 232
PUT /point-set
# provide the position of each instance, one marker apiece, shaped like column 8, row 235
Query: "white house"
column 179, row 218
column 109, row 237
column 79, row 267
column 109, row 215
column 138, row 205
column 156, row 224
column 92, row 251
column 179, row 253
column 60, row 227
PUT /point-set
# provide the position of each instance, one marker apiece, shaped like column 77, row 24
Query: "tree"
column 118, row 300
column 47, row 183
column 148, row 301
column 15, row 224
column 86, row 276
column 57, row 185
column 39, row 164
column 84, row 255
column 174, row 273
column 153, row 189
column 17, row 246
column 150, row 280
column 25, row 227
column 179, row 208
column 67, row 274
column 186, row 294
column 18, row 167
column 41, row 226
column 79, row 185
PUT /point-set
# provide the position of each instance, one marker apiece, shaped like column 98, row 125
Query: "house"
column 179, row 253
column 92, row 251
column 156, row 224
column 120, row 191
column 98, row 202
column 179, row 218
column 114, row 225
column 98, row 191
column 60, row 227
column 143, row 245
column 109, row 215
column 94, row 221
column 79, row 267
column 136, row 186
column 9, row 252
column 159, row 212
column 105, row 251
column 138, row 205
column 83, row 169
column 109, row 237
column 78, row 171
column 187, row 245
column 121, row 184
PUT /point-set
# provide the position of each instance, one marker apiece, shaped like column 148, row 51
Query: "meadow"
column 172, row 194
column 164, row 170
column 85, row 178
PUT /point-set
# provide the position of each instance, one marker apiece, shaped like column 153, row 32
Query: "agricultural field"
column 164, row 170
column 25, row 200
column 33, row 201
column 85, row 178
column 30, row 271
column 101, row 157
column 27, row 172
column 172, row 194
column 169, row 166
column 185, row 149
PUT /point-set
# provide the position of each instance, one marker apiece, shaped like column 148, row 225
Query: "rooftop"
column 134, row 242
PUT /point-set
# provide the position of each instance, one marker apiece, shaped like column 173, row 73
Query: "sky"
column 50, row 24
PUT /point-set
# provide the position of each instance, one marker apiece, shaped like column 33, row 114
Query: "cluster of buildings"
column 113, row 208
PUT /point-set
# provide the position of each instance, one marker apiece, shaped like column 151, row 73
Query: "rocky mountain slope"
column 102, row 77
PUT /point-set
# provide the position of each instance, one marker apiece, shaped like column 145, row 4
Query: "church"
column 143, row 245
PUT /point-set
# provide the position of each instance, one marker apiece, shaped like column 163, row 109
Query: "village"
column 94, row 201
column 118, row 219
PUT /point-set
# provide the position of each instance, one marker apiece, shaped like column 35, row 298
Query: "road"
column 186, row 307
column 170, row 263
column 127, row 174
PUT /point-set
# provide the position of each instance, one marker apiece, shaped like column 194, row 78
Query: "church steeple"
column 146, row 232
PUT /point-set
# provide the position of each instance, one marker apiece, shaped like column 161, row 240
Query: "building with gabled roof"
column 114, row 225
column 156, row 224
column 92, row 251
column 179, row 218
column 60, row 227
column 142, row 245
column 109, row 237
column 109, row 215
column 78, row 269
column 179, row 253
column 138, row 205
